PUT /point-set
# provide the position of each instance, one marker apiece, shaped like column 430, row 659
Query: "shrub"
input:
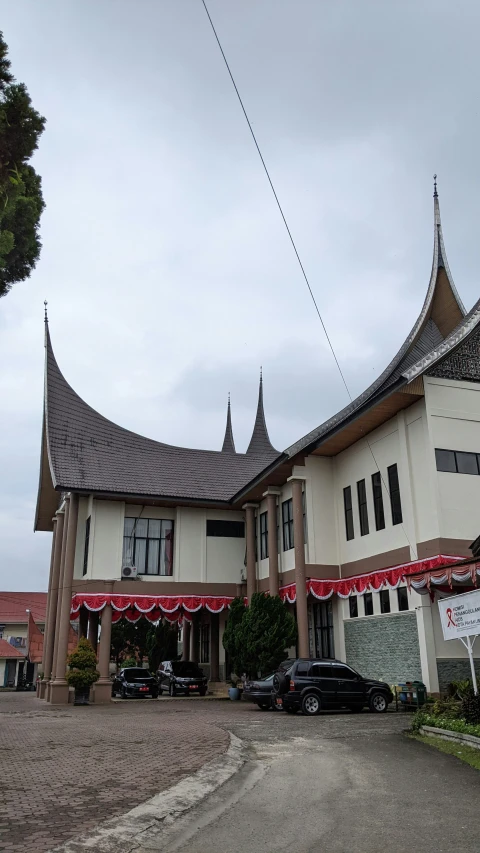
column 83, row 666
column 471, row 707
column 459, row 689
column 449, row 708
column 422, row 719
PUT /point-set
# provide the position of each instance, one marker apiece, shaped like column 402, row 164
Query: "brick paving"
column 63, row 770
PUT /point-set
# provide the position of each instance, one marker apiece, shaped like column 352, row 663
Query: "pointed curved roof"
column 441, row 318
column 228, row 442
column 85, row 452
column 260, row 442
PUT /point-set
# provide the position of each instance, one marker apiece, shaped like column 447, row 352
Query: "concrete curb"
column 145, row 823
column 446, row 734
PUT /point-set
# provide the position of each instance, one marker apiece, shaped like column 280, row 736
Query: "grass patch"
column 468, row 754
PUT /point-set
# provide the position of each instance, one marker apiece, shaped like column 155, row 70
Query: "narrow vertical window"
column 368, row 602
column 287, row 521
column 87, row 542
column 353, row 606
column 347, row 502
column 402, row 598
column 378, row 501
column 263, row 535
column 362, row 507
column 395, row 501
column 205, row 644
column 384, row 601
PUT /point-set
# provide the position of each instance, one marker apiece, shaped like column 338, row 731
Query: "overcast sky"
column 166, row 266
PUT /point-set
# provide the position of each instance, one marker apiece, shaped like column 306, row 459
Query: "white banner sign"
column 460, row 615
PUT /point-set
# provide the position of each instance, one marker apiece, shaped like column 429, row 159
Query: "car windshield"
column 136, row 674
column 185, row 668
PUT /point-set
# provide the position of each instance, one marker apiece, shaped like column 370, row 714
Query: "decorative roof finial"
column 46, row 315
column 435, row 193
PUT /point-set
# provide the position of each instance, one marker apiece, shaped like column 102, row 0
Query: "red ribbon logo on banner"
column 450, row 618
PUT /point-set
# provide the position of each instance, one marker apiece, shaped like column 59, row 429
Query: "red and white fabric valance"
column 445, row 576
column 371, row 582
column 153, row 607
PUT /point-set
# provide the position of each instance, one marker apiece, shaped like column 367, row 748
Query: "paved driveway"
column 336, row 783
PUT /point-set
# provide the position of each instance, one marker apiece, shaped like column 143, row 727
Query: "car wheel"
column 172, row 690
column 281, row 683
column 311, row 705
column 355, row 709
column 291, row 710
column 123, row 693
column 262, row 706
column 378, row 703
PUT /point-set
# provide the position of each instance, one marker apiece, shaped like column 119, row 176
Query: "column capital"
column 272, row 490
column 250, row 505
column 297, row 478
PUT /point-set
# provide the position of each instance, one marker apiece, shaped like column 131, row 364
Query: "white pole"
column 467, row 642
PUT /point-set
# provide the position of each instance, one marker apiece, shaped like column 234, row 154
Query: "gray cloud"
column 168, row 272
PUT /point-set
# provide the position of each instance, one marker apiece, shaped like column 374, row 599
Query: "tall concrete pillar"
column 426, row 642
column 299, row 543
column 195, row 638
column 59, row 691
column 103, row 687
column 251, row 562
column 214, row 647
column 66, row 514
column 272, row 543
column 49, row 635
column 93, row 620
column 186, row 640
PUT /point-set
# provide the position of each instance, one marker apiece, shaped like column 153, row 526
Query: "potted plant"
column 234, row 690
column 83, row 672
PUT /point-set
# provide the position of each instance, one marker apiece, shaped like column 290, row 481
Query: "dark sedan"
column 260, row 692
column 181, row 676
column 135, row 681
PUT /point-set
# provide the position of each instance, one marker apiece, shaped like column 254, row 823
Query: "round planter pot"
column 234, row 693
column 82, row 695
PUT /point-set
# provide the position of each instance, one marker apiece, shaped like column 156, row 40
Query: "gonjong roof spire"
column 260, row 442
column 228, row 442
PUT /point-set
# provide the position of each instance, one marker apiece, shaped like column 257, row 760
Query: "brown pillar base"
column 41, row 689
column 102, row 692
column 59, row 691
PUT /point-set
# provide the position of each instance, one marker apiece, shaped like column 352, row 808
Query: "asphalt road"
column 335, row 783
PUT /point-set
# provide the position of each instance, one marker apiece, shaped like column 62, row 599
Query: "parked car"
column 312, row 684
column 135, row 681
column 260, row 692
column 181, row 676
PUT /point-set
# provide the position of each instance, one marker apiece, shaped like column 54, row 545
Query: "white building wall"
column 423, row 473
column 454, row 421
column 106, row 544
column 83, row 504
column 225, row 556
column 322, row 545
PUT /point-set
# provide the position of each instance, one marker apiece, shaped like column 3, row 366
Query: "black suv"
column 310, row 684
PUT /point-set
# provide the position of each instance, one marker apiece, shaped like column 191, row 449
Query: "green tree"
column 82, row 665
column 21, row 200
column 129, row 639
column 258, row 637
column 162, row 644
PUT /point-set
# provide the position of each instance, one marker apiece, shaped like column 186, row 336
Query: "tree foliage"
column 162, row 644
column 135, row 641
column 21, row 200
column 83, row 665
column 257, row 637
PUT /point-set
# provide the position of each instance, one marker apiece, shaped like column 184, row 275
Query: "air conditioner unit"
column 129, row 572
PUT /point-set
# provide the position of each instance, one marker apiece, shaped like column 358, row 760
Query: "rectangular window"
column 446, row 461
column 353, row 605
column 402, row 598
column 378, row 501
column 205, row 644
column 226, row 529
column 148, row 545
column 323, row 626
column 466, row 462
column 394, row 487
column 85, row 547
column 287, row 522
column 347, row 503
column 384, row 601
column 368, row 603
column 362, row 507
column 263, row 535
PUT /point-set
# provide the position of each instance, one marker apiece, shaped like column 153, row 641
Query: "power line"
column 296, row 250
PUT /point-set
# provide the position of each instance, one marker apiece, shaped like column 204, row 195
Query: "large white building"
column 336, row 524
